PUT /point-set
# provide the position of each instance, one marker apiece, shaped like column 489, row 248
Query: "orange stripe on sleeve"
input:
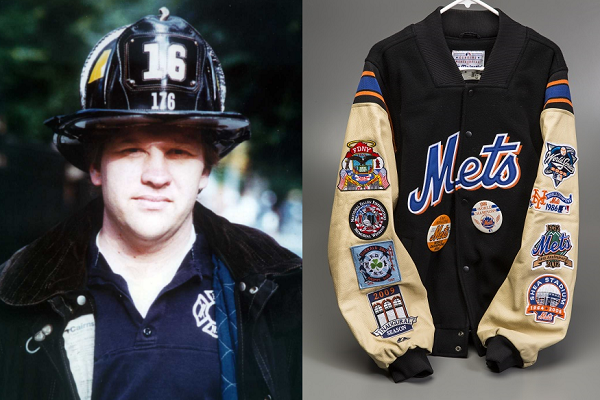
column 368, row 73
column 369, row 93
column 560, row 100
column 558, row 82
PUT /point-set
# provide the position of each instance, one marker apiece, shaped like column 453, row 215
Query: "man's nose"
column 156, row 169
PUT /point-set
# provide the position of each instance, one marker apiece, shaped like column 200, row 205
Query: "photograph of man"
column 146, row 293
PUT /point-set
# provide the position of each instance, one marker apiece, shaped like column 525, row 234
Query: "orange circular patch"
column 438, row 233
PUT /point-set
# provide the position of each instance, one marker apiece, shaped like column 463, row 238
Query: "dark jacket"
column 40, row 284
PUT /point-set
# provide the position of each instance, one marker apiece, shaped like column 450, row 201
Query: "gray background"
column 337, row 36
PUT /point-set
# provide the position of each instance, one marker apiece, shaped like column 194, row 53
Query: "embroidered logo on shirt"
column 500, row 170
column 559, row 162
column 368, row 219
column 390, row 312
column 552, row 248
column 375, row 264
column 547, row 297
column 553, row 202
column 201, row 311
column 362, row 168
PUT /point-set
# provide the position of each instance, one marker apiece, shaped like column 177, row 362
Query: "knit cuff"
column 501, row 354
column 413, row 363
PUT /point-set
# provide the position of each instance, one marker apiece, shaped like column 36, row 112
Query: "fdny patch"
column 486, row 216
column 390, row 312
column 363, row 168
column 438, row 233
column 552, row 202
column 368, row 219
column 547, row 298
column 375, row 264
column 499, row 170
column 552, row 248
column 559, row 162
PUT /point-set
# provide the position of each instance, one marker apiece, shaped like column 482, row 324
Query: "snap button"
column 242, row 286
column 461, row 333
column 81, row 300
column 253, row 290
column 466, row 268
column 471, row 92
column 147, row 332
column 468, row 133
column 38, row 337
column 268, row 397
column 46, row 330
column 465, row 201
column 458, row 348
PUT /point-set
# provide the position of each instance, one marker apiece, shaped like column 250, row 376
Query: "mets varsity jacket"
column 455, row 217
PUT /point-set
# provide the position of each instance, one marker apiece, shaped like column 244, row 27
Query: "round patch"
column 438, row 233
column 368, row 219
column 376, row 263
column 547, row 296
column 486, row 216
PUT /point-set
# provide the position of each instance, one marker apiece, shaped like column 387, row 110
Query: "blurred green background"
column 43, row 46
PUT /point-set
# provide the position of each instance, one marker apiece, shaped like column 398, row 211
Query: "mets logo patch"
column 552, row 248
column 390, row 312
column 362, row 168
column 438, row 233
column 375, row 264
column 553, row 202
column 368, row 219
column 486, row 216
column 547, row 298
column 559, row 162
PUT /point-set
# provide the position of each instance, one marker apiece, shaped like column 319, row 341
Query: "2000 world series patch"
column 368, row 219
column 559, row 162
column 547, row 299
column 375, row 264
column 362, row 168
column 390, row 312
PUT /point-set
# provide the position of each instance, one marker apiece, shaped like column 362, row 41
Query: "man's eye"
column 180, row 152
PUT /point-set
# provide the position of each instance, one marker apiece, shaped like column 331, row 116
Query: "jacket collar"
column 510, row 39
column 56, row 262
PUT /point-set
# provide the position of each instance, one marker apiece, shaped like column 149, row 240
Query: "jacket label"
column 551, row 202
column 552, row 248
column 547, row 299
column 500, row 170
column 375, row 264
column 362, row 168
column 79, row 337
column 390, row 312
column 469, row 59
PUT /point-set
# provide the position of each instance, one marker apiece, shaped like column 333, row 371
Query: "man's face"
column 150, row 183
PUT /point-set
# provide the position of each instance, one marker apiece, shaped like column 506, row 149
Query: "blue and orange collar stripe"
column 558, row 95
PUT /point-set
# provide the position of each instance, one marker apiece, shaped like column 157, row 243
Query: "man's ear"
column 95, row 176
column 203, row 179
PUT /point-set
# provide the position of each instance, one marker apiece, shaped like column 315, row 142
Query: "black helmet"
column 158, row 70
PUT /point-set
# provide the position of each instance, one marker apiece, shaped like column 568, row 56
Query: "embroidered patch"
column 547, row 296
column 559, row 162
column 553, row 202
column 375, row 264
column 486, row 216
column 201, row 311
column 363, row 168
column 390, row 312
column 438, row 233
column 552, row 248
column 368, row 219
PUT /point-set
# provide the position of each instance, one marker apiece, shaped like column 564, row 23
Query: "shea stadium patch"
column 390, row 312
column 552, row 248
column 547, row 299
column 552, row 202
column 438, row 233
column 368, row 219
column 375, row 264
column 559, row 162
column 486, row 216
column 362, row 168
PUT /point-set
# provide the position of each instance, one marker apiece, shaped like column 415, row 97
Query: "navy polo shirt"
column 173, row 352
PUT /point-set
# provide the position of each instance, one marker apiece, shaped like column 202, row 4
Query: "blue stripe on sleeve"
column 558, row 91
column 368, row 83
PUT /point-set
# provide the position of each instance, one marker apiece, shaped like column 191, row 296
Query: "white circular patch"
column 486, row 216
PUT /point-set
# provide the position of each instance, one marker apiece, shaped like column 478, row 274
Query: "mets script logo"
column 552, row 248
column 201, row 312
column 559, row 162
column 362, row 168
column 390, row 312
column 500, row 170
column 553, row 202
column 547, row 297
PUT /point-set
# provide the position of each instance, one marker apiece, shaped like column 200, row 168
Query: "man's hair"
column 93, row 149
